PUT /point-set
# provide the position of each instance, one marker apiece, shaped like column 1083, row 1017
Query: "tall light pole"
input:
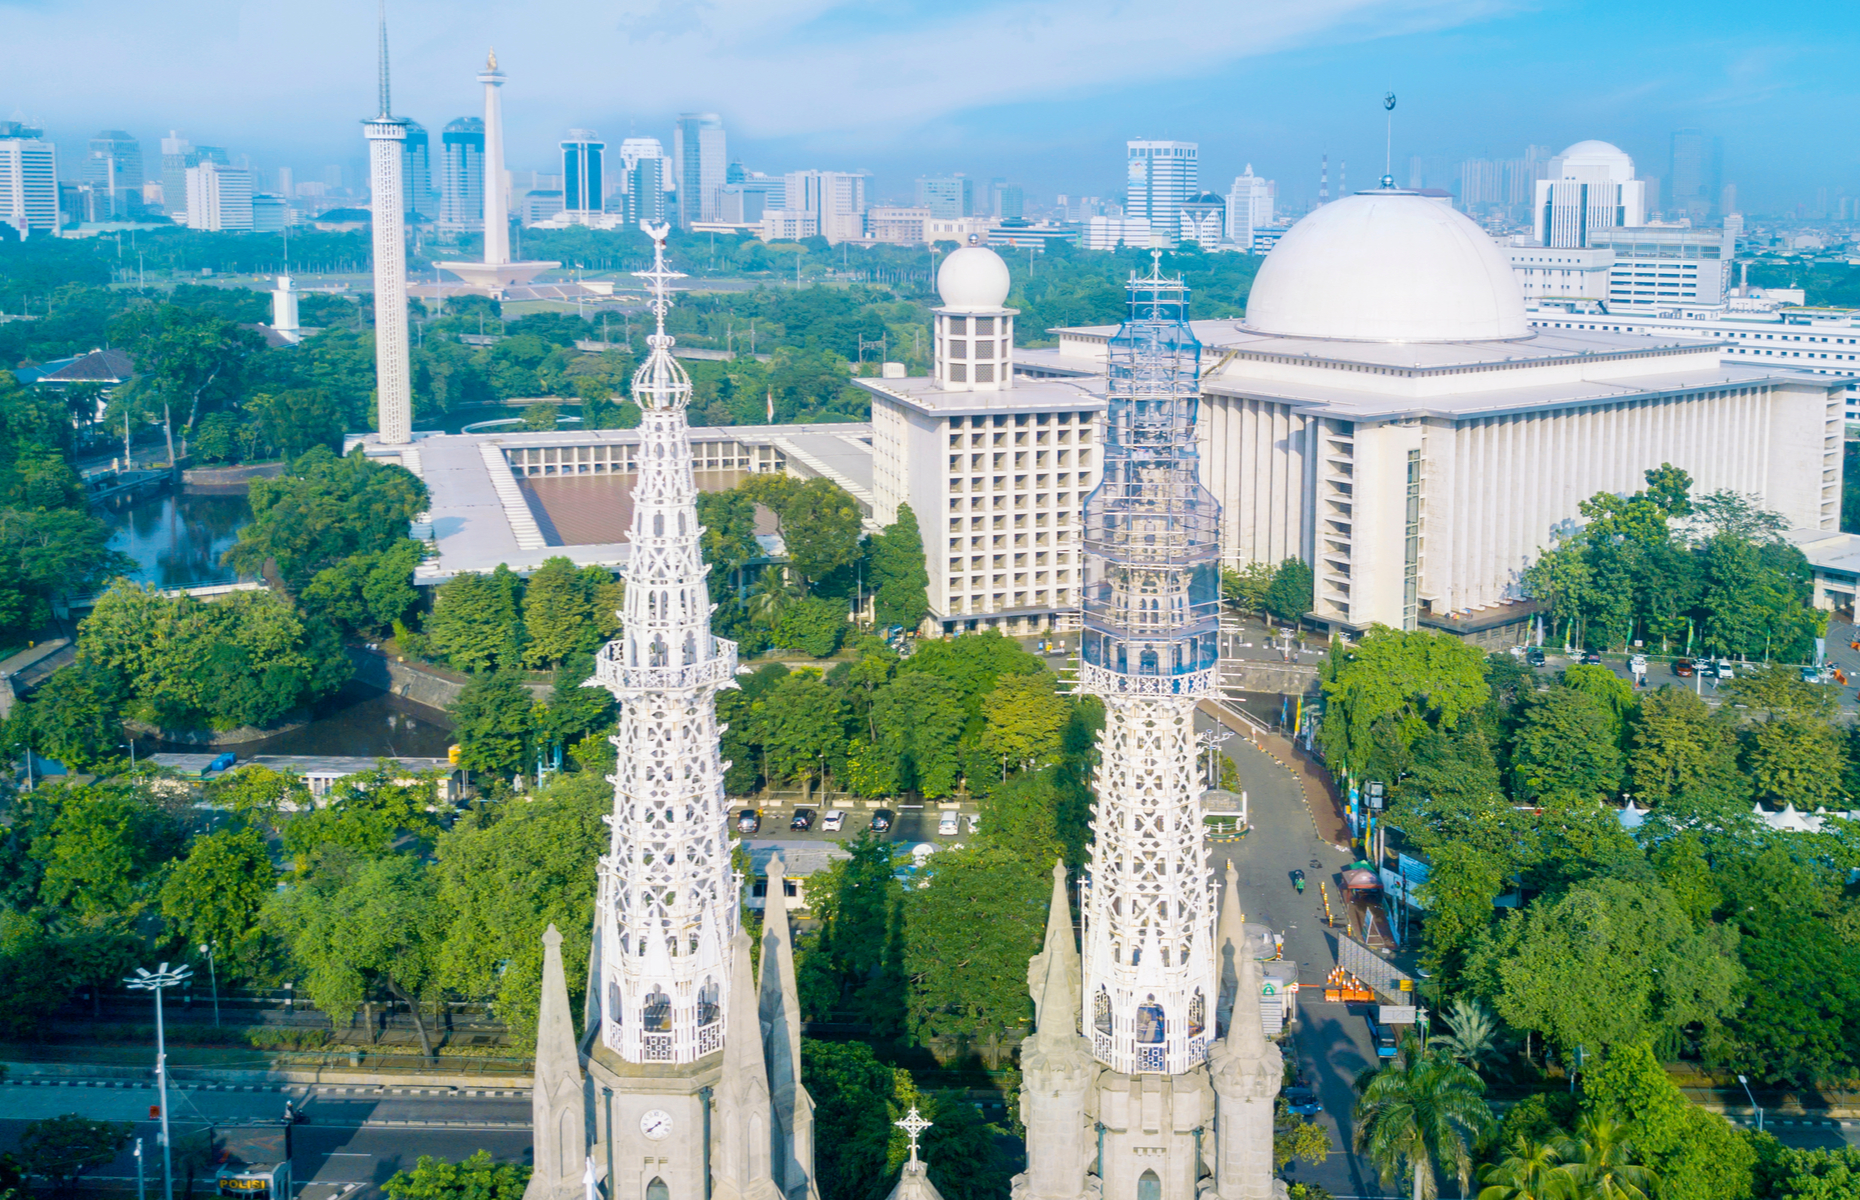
column 213, row 981
column 157, row 981
column 1753, row 1102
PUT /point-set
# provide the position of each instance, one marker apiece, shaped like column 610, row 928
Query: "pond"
column 357, row 721
column 175, row 538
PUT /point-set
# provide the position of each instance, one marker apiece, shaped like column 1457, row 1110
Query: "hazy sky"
column 1040, row 91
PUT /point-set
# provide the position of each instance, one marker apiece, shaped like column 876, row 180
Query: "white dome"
column 973, row 279
column 1611, row 159
column 1387, row 267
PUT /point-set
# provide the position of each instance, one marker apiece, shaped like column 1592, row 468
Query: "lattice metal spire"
column 1149, row 649
column 386, row 106
column 667, row 910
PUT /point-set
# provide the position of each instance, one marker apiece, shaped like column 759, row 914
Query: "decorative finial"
column 1388, row 102
column 660, row 382
column 913, row 1125
column 490, row 62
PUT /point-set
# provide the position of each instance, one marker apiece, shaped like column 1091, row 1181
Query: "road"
column 1330, row 1042
column 350, row 1137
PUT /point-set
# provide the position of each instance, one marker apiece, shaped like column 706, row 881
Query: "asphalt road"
column 350, row 1139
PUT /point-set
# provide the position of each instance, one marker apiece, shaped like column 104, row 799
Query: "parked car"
column 1591, row 658
column 975, row 822
column 949, row 824
column 833, row 820
column 748, row 821
column 1303, row 1101
column 1685, row 668
column 1724, row 670
column 1535, row 656
column 1811, row 675
column 1382, row 1035
column 803, row 819
column 881, row 820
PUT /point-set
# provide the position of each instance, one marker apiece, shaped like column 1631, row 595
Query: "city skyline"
column 1279, row 93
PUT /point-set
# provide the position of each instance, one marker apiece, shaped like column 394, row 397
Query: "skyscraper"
column 1249, row 208
column 461, row 179
column 219, row 199
column 1590, row 188
column 1160, row 177
column 835, row 198
column 1164, row 1096
column 582, row 180
column 386, row 136
column 177, row 154
column 113, row 169
column 947, row 196
column 1693, row 181
column 699, row 160
column 700, row 1059
column 28, row 182
column 416, row 173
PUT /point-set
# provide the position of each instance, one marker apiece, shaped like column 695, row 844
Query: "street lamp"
column 157, row 981
column 213, row 981
column 1753, row 1102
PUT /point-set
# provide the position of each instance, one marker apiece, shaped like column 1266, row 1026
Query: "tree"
column 214, row 895
column 855, row 1102
column 1022, row 818
column 1566, row 745
column 359, row 927
column 820, row 525
column 506, row 880
column 1245, row 589
column 1679, row 753
column 260, row 795
column 799, row 728
column 33, row 990
column 477, row 621
column 62, row 1148
column 919, row 719
column 1795, row 760
column 1530, row 1170
column 560, row 618
column 1793, row 1174
column 1297, row 1139
column 813, row 626
column 1023, row 720
column 324, row 509
column 366, row 813
column 185, row 357
column 968, row 935
column 1612, row 961
column 494, row 717
column 729, row 541
column 1420, row 1112
column 104, row 852
column 367, row 593
column 476, row 1178
column 1399, row 685
column 1600, row 1159
column 1613, row 693
column 1694, row 1154
column 1289, row 596
column 75, row 717
column 900, row 582
column 1471, row 1037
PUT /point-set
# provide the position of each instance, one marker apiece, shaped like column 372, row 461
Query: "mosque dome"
column 973, row 279
column 1609, row 159
column 1387, row 266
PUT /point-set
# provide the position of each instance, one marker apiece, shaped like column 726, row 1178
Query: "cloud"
column 773, row 68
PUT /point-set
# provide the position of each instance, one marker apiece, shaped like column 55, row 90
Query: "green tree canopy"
column 968, row 937
column 476, row 1178
column 323, row 510
column 1397, row 685
column 900, row 582
column 215, row 895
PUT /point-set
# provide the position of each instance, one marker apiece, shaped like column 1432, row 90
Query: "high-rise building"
column 28, row 182
column 219, row 199
column 692, row 1064
column 177, row 155
column 947, row 196
column 1590, row 188
column 645, row 176
column 1693, row 179
column 699, row 160
column 1007, row 201
column 1160, row 177
column 287, row 182
column 582, row 182
column 1203, row 220
column 113, row 169
column 1168, row 1097
column 461, row 180
column 416, row 174
column 835, row 198
column 271, row 212
column 1249, row 208
column 386, row 134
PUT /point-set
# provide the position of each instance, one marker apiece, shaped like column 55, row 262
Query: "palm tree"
column 771, row 597
column 1531, row 1171
column 1600, row 1159
column 1418, row 1113
column 1473, row 1039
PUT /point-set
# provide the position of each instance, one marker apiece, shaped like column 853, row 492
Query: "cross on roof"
column 913, row 1124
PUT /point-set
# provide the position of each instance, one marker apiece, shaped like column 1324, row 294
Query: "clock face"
column 656, row 1124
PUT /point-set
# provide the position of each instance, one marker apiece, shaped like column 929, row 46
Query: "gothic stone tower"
column 1139, row 1071
column 677, row 1050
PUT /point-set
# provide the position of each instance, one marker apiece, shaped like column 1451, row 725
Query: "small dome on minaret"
column 973, row 279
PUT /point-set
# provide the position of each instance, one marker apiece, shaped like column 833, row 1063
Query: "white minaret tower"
column 668, row 899
column 393, row 374
column 496, row 211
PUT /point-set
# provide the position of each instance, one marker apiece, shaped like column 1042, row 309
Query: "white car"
column 975, row 822
column 946, row 825
column 833, row 820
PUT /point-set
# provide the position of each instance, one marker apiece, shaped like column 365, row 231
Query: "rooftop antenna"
column 1388, row 158
column 386, row 107
column 1324, row 181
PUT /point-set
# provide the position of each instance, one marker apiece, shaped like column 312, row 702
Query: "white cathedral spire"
column 667, row 914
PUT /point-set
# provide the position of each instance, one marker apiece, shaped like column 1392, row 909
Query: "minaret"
column 780, row 1009
column 667, row 907
column 1247, row 1071
column 743, row 1168
column 558, row 1119
column 1056, row 1066
column 1148, row 650
column 393, row 374
column 496, row 210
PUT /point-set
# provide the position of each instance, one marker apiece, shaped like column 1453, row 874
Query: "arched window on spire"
column 656, row 1013
column 1101, row 1011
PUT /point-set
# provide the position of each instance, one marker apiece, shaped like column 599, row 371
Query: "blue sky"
column 1040, row 91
